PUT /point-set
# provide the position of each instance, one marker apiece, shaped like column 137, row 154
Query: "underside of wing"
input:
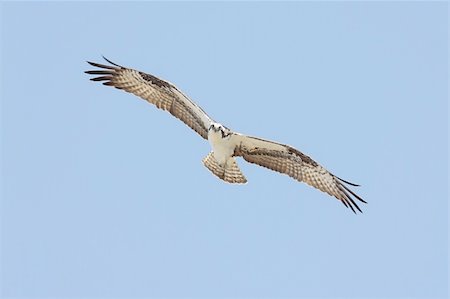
column 287, row 160
column 162, row 94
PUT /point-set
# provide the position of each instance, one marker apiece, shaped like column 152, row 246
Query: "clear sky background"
column 104, row 196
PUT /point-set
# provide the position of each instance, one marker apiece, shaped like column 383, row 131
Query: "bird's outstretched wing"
column 156, row 91
column 285, row 159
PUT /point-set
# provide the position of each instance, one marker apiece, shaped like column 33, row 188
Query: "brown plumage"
column 287, row 160
column 229, row 172
column 156, row 91
column 225, row 143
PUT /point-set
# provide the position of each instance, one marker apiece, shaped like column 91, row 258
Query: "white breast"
column 223, row 148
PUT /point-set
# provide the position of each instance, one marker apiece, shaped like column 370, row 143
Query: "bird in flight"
column 226, row 144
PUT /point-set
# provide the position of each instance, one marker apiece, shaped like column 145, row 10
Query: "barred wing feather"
column 287, row 160
column 155, row 91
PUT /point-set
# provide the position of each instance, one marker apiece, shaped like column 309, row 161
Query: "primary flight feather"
column 225, row 143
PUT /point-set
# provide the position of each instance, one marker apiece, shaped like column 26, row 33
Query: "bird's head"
column 216, row 127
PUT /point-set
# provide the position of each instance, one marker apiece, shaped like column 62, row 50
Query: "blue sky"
column 104, row 196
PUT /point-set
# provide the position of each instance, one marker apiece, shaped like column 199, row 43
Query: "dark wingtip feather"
column 99, row 72
column 111, row 61
column 354, row 194
column 351, row 207
column 350, row 200
column 343, row 202
column 107, row 71
column 347, row 182
column 102, row 78
column 101, row 65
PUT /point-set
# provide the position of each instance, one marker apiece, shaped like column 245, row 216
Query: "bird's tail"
column 229, row 172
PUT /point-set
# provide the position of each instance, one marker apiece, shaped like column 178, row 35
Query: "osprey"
column 226, row 144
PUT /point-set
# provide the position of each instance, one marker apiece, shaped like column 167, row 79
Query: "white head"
column 216, row 128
